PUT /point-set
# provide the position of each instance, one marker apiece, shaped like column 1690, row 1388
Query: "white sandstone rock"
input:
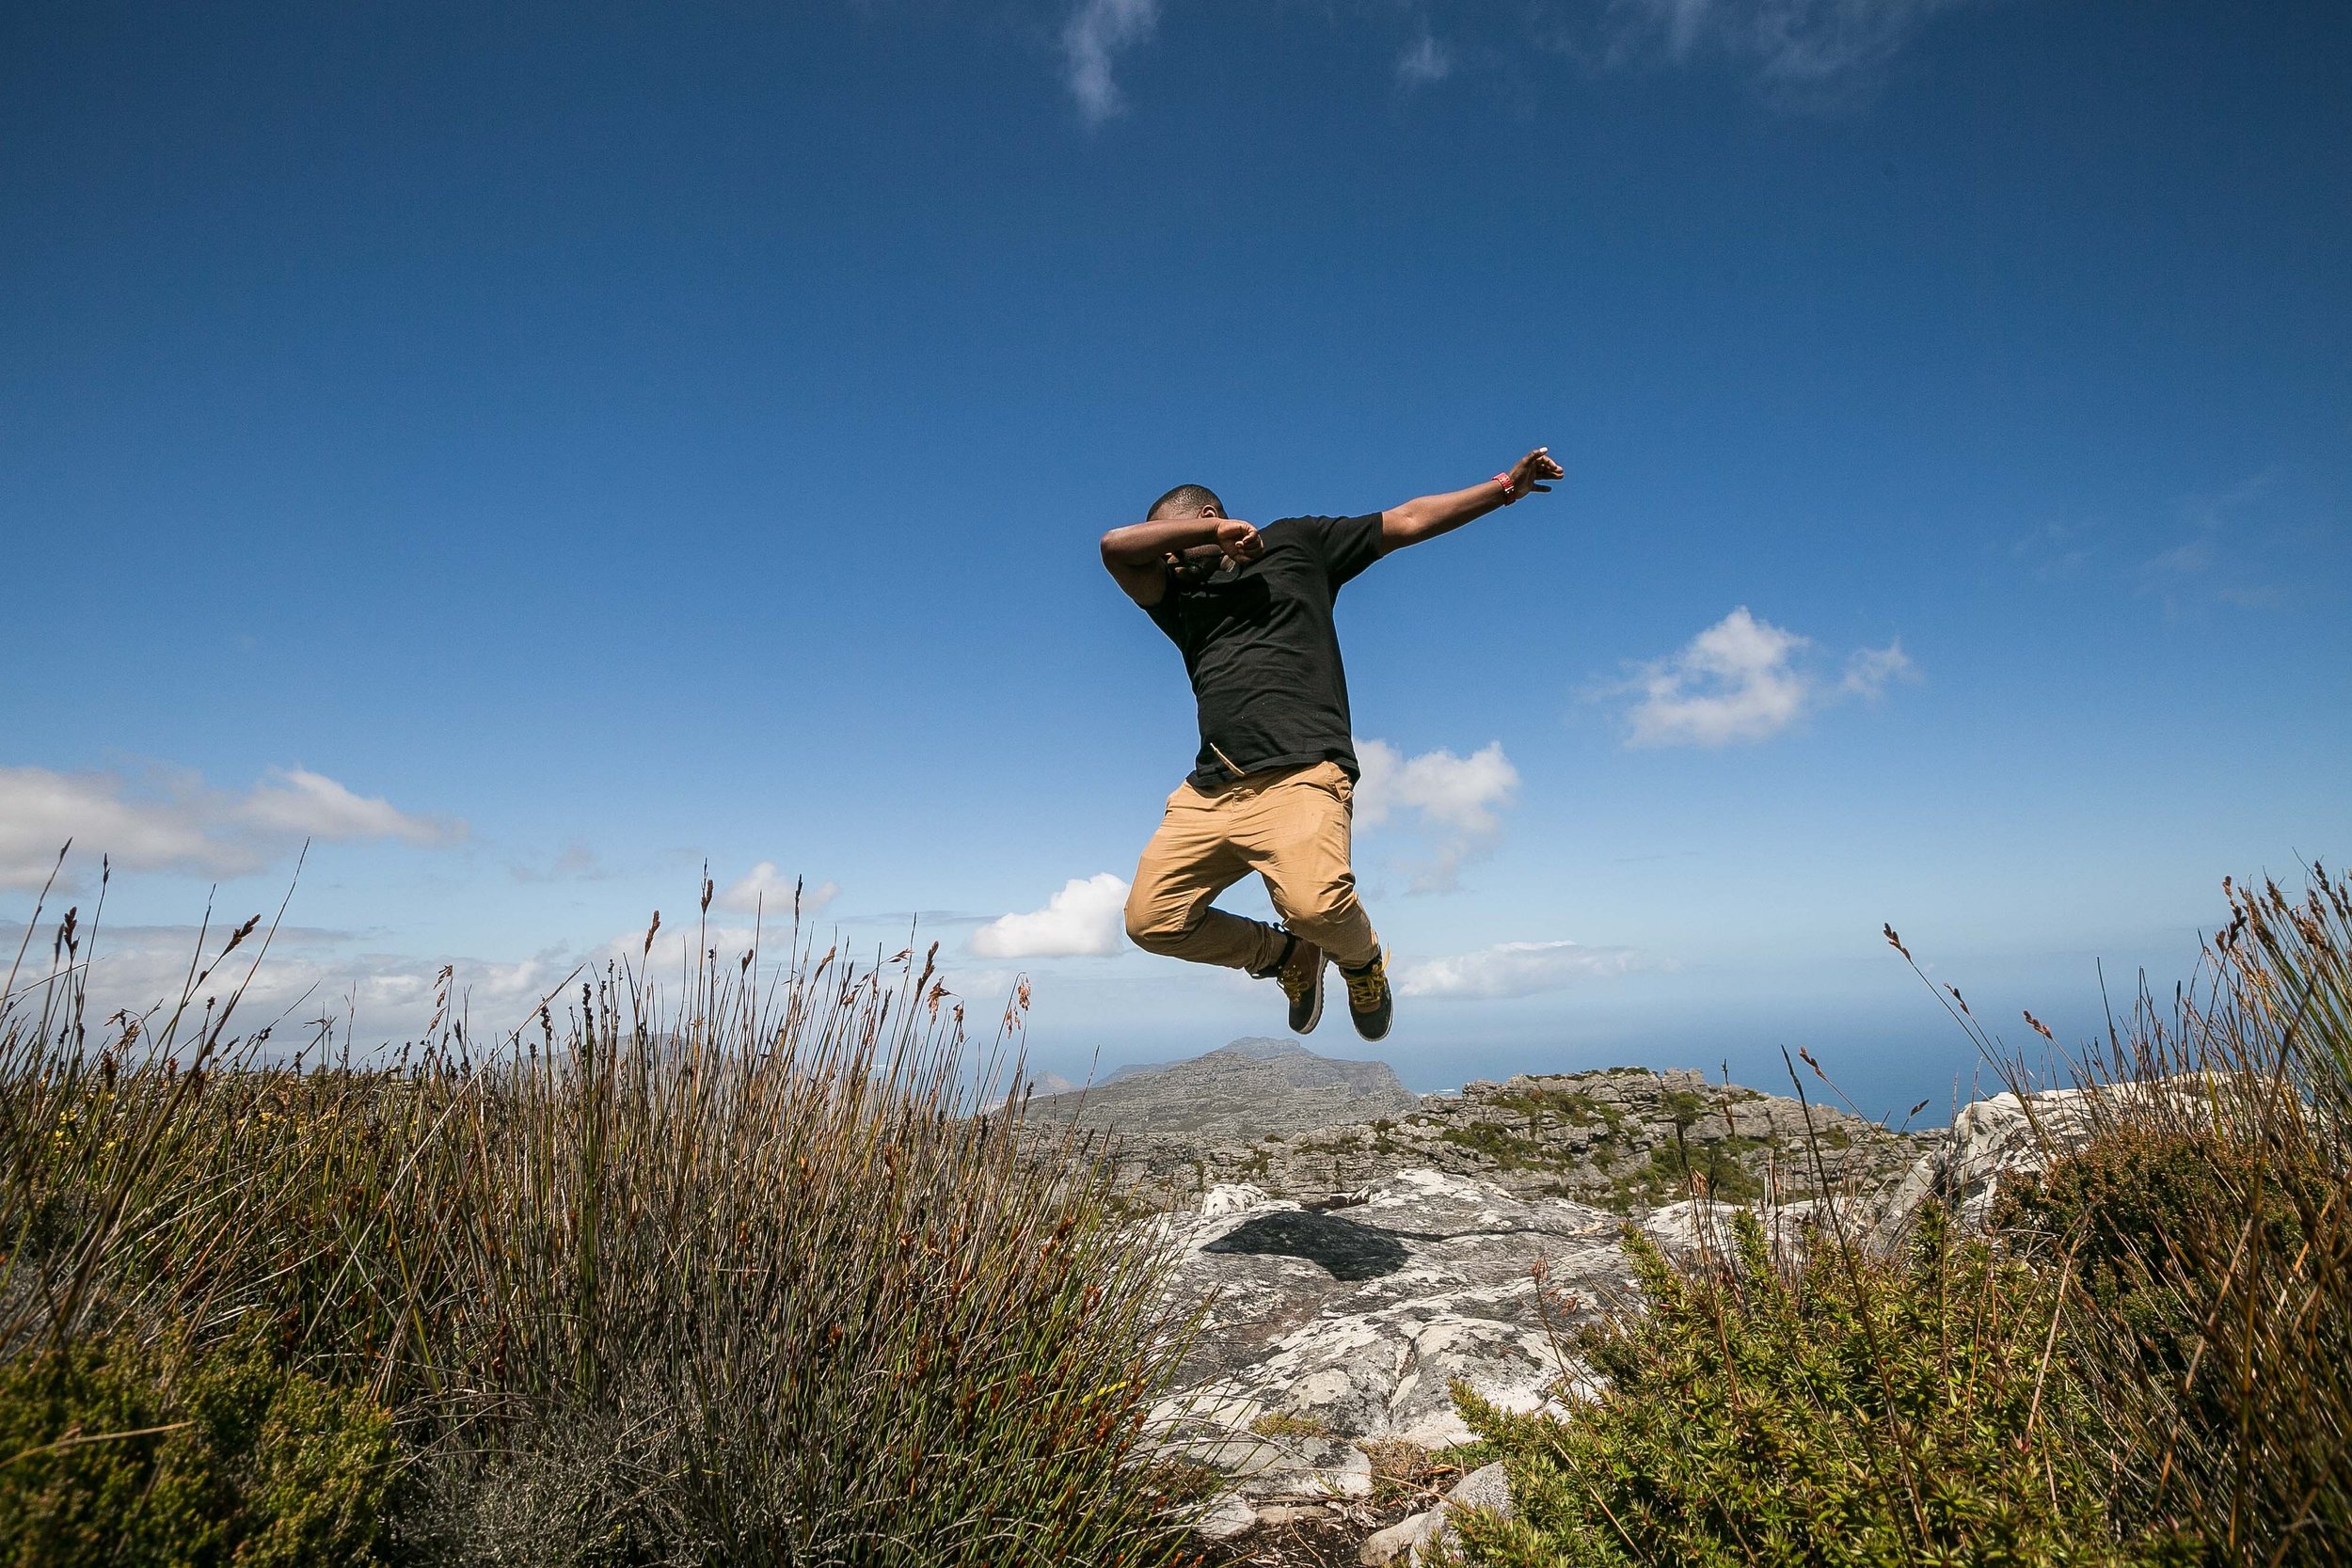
column 1398, row 1539
column 1486, row 1487
column 2005, row 1135
column 1225, row 1515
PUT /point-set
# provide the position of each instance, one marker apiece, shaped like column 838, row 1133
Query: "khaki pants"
column 1288, row 825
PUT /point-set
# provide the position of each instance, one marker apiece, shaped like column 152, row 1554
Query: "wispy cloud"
column 1457, row 801
column 2053, row 551
column 1083, row 919
column 1512, row 969
column 1745, row 680
column 1424, row 61
column 2219, row 553
column 574, row 863
column 1799, row 50
column 1097, row 32
column 763, row 888
column 171, row 820
column 1869, row 670
column 1793, row 45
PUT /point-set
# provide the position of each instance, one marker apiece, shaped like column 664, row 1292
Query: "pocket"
column 1333, row 781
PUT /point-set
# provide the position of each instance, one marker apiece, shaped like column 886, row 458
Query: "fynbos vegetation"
column 2143, row 1358
column 743, row 1272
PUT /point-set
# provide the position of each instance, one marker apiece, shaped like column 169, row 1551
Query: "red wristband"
column 1509, row 494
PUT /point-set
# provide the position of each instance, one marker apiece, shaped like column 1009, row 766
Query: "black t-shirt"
column 1261, row 650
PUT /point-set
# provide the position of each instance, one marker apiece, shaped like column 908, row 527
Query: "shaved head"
column 1187, row 500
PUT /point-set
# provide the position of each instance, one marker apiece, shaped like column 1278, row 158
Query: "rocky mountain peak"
column 1249, row 1089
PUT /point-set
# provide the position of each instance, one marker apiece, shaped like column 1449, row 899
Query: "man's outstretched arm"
column 1137, row 555
column 1426, row 516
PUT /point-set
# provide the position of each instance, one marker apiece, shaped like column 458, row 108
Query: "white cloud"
column 1096, row 32
column 1743, row 680
column 1423, row 62
column 1868, row 670
column 1790, row 44
column 1796, row 50
column 172, row 821
column 1511, row 969
column 763, row 888
column 1460, row 793
column 679, row 941
column 306, row 976
column 302, row 805
column 1083, row 919
column 1733, row 682
column 1456, row 799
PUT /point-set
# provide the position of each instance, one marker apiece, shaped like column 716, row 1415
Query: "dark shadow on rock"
column 1344, row 1249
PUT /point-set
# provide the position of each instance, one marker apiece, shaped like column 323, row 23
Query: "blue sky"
column 534, row 452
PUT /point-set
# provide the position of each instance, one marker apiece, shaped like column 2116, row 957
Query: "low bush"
column 1843, row 1409
column 139, row 1456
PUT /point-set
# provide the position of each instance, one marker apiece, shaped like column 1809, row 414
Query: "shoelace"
column 1366, row 986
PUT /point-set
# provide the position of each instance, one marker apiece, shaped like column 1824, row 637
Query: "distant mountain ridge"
column 1249, row 1089
column 1264, row 1048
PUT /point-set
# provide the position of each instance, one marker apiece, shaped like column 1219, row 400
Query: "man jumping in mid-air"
column 1269, row 790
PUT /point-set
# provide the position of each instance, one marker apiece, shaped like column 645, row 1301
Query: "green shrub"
column 1716, row 1163
column 115, row 1454
column 1843, row 1410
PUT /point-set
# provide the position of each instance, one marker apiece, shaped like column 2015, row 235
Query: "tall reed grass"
column 749, row 1268
column 2206, row 1219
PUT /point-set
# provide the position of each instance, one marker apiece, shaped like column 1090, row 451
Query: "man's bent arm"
column 1138, row 554
column 1426, row 516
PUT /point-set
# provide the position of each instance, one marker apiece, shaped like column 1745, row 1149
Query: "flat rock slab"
column 1334, row 1326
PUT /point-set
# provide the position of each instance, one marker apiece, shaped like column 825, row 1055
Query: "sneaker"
column 1371, row 1005
column 1301, row 976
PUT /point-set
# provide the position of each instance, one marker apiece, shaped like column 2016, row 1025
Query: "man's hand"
column 1239, row 541
column 1534, row 467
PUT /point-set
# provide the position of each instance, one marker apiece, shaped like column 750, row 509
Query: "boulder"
column 2005, row 1135
column 1419, row 1536
column 1223, row 1517
column 1486, row 1487
column 1330, row 1327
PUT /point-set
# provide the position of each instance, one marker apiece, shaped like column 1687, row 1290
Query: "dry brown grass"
column 744, row 1269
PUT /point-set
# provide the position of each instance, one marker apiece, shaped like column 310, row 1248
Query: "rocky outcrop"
column 1331, row 1329
column 1337, row 1325
column 1625, row 1139
column 1249, row 1089
column 2007, row 1135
